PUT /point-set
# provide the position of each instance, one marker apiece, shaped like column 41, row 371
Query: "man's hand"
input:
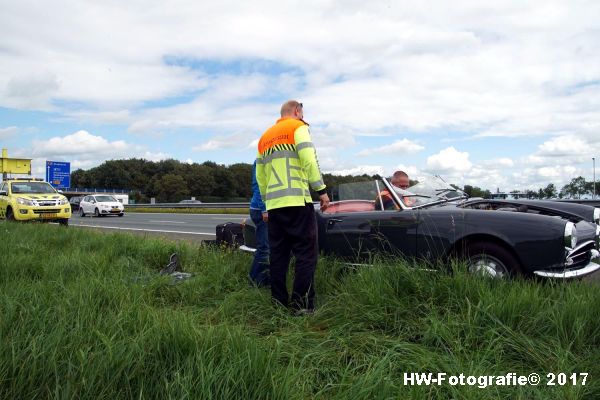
column 265, row 215
column 324, row 201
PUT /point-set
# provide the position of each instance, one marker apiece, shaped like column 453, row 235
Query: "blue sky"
column 498, row 96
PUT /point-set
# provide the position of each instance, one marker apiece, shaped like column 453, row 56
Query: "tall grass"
column 86, row 315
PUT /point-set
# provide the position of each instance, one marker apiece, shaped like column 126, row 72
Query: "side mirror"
column 3, row 193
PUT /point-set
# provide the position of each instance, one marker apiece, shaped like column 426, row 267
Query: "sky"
column 499, row 95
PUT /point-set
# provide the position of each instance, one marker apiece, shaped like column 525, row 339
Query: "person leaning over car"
column 259, row 272
column 400, row 180
column 286, row 165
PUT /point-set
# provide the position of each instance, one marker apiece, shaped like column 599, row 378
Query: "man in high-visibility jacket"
column 286, row 165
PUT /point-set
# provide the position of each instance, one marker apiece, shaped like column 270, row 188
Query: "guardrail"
column 197, row 205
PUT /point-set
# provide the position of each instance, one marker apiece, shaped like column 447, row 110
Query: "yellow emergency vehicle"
column 31, row 199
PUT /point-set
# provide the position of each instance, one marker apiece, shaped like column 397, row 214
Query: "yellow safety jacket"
column 287, row 164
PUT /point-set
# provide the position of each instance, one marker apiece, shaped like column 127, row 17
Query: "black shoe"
column 303, row 312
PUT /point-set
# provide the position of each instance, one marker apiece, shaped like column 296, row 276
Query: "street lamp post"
column 594, row 177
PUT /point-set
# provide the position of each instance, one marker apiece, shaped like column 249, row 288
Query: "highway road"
column 193, row 227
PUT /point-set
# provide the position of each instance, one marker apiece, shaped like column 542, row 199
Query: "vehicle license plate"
column 48, row 216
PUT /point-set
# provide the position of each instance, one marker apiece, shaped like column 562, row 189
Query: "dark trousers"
column 259, row 272
column 293, row 230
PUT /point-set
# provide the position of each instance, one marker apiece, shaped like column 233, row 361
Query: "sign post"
column 14, row 165
column 58, row 174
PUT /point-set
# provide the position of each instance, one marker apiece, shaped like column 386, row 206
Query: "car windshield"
column 31, row 187
column 103, row 199
column 427, row 189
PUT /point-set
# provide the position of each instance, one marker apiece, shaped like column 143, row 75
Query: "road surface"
column 193, row 227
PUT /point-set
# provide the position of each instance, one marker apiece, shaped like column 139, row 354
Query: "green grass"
column 188, row 210
column 85, row 315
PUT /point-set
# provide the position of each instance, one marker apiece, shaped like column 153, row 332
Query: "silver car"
column 100, row 205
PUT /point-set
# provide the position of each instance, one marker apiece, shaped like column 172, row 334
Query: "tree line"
column 170, row 181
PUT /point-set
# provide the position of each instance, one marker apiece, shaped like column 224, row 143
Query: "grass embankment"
column 85, row 315
column 188, row 210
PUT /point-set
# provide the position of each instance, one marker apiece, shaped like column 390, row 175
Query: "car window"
column 2, row 187
column 105, row 198
column 356, row 196
column 31, row 187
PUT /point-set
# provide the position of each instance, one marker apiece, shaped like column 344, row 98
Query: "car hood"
column 571, row 211
column 41, row 196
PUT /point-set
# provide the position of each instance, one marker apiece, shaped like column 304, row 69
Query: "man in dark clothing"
column 259, row 272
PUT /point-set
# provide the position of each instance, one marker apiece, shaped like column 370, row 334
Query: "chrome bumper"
column 590, row 268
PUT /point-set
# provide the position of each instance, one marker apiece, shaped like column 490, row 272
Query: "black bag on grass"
column 230, row 234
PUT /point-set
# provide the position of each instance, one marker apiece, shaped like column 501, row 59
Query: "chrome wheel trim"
column 488, row 266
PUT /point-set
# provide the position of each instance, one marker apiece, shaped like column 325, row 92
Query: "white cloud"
column 360, row 170
column 410, row 170
column 217, row 144
column 7, row 132
column 79, row 143
column 564, row 146
column 504, row 162
column 403, row 146
column 84, row 150
column 535, row 178
column 152, row 156
column 221, row 70
column 100, row 117
column 449, row 160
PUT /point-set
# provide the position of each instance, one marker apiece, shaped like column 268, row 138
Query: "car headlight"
column 63, row 201
column 25, row 202
column 570, row 235
column 597, row 215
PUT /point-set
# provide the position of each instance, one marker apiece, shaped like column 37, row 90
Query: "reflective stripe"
column 279, row 154
column 260, row 161
column 305, row 145
column 286, row 192
column 278, row 183
column 317, row 184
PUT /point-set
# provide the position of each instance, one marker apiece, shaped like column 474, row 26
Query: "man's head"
column 400, row 179
column 292, row 109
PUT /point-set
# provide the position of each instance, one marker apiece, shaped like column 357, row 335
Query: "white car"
column 99, row 205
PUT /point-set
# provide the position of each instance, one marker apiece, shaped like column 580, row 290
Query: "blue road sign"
column 58, row 174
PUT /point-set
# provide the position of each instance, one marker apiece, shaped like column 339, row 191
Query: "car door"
column 364, row 234
column 85, row 204
column 3, row 199
column 91, row 204
column 347, row 235
column 397, row 232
